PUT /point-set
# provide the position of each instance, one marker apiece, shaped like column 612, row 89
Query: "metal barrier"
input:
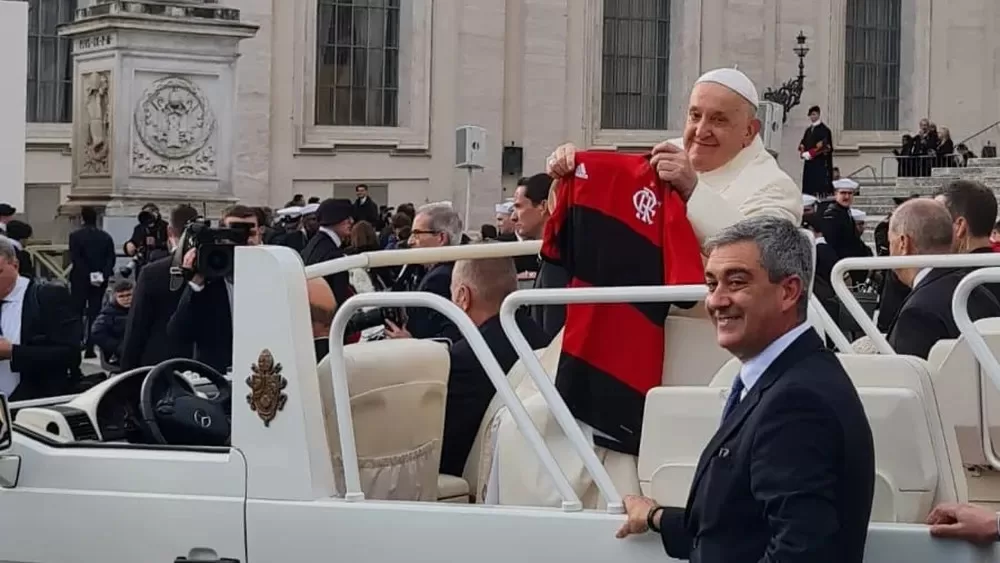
column 341, row 394
column 982, row 352
column 920, row 166
column 43, row 256
column 893, row 263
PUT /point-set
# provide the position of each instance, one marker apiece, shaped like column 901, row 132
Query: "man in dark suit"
column 335, row 222
column 918, row 227
column 203, row 319
column 479, row 287
column 973, row 209
column 154, row 300
column 790, row 474
column 816, row 150
column 364, row 209
column 92, row 256
column 39, row 335
column 436, row 225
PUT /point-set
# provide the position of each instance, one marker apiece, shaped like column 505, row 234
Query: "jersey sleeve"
column 555, row 235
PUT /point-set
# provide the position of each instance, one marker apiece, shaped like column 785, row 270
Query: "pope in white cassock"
column 721, row 169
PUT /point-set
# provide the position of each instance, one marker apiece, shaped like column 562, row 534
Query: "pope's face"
column 720, row 123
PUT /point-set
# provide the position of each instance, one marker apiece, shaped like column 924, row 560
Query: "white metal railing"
column 382, row 258
column 892, row 263
column 565, row 419
column 982, row 352
column 341, row 394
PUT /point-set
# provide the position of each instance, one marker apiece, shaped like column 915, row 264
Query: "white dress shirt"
column 10, row 328
column 330, row 233
column 754, row 368
column 920, row 276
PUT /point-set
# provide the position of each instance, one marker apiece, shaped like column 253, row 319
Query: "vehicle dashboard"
column 108, row 412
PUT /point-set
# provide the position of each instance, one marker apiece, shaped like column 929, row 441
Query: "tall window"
column 357, row 74
column 871, row 75
column 50, row 66
column 636, row 63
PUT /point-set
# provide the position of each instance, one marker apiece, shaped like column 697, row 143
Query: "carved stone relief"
column 174, row 126
column 97, row 124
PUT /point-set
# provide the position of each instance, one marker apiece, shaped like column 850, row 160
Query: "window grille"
column 871, row 72
column 50, row 64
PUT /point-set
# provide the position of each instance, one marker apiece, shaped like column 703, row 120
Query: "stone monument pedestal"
column 154, row 95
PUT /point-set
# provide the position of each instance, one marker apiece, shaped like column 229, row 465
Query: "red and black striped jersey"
column 616, row 224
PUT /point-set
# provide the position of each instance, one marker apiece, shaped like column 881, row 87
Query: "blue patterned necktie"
column 734, row 397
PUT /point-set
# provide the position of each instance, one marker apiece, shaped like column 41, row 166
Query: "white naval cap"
column 858, row 215
column 506, row 208
column 735, row 81
column 808, row 200
column 845, row 185
column 310, row 209
column 292, row 211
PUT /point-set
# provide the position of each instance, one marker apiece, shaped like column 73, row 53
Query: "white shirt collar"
column 754, row 368
column 332, row 235
column 821, row 240
column 920, row 276
column 818, row 122
column 16, row 294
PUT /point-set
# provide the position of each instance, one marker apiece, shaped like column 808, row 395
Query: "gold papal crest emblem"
column 267, row 387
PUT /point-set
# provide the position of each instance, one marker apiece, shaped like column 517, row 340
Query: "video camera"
column 215, row 246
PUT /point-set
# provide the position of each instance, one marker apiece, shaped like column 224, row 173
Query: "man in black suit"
column 973, row 209
column 39, row 334
column 335, row 222
column 92, row 256
column 436, row 225
column 790, row 474
column 150, row 240
column 816, row 150
column 203, row 319
column 364, row 209
column 154, row 300
column 479, row 287
column 919, row 227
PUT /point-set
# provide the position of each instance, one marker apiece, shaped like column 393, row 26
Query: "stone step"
column 967, row 172
column 984, row 162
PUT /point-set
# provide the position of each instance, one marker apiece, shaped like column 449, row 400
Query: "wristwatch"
column 652, row 516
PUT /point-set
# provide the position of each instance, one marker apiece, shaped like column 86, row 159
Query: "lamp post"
column 790, row 93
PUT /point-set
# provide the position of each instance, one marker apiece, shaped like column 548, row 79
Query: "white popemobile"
column 138, row 468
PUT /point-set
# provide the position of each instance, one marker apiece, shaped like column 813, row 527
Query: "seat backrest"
column 905, row 465
column 691, row 354
column 398, row 390
column 957, row 380
column 516, row 376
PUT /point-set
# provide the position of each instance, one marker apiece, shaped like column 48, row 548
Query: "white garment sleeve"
column 709, row 212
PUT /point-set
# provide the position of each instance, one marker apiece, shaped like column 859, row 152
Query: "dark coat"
column 108, row 331
column 790, row 474
column 48, row 357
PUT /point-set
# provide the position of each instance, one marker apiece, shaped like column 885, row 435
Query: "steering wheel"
column 174, row 414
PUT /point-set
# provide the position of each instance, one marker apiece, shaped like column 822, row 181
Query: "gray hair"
column 7, row 249
column 490, row 279
column 927, row 222
column 444, row 219
column 784, row 250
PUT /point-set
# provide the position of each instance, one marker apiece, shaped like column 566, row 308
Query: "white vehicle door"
column 118, row 503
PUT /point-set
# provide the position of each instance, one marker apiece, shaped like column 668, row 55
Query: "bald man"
column 478, row 287
column 720, row 167
column 921, row 227
column 322, row 306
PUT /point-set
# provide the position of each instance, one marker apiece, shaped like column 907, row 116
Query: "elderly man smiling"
column 720, row 167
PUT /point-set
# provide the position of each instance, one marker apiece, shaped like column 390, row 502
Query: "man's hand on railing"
column 964, row 522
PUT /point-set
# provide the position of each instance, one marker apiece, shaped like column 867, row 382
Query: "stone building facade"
column 336, row 92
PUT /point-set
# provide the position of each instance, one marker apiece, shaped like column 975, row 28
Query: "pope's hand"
column 562, row 162
column 674, row 167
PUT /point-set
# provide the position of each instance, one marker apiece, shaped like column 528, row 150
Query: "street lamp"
column 790, row 93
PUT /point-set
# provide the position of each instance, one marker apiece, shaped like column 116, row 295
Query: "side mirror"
column 6, row 422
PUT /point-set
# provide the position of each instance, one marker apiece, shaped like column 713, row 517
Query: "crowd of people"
column 929, row 148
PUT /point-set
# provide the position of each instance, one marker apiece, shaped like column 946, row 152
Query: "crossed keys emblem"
column 645, row 202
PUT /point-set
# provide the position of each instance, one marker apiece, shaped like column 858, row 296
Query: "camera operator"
column 204, row 315
column 149, row 241
column 154, row 302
